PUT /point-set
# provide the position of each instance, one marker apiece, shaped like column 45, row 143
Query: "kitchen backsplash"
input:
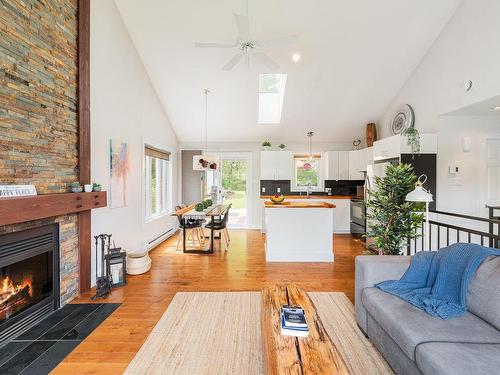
column 343, row 187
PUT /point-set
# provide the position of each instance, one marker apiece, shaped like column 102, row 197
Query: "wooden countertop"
column 288, row 204
column 311, row 197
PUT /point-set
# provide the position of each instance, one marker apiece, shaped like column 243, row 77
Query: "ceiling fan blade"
column 267, row 61
column 292, row 39
column 214, row 45
column 234, row 60
column 243, row 26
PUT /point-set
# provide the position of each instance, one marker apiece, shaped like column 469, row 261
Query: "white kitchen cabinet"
column 393, row 147
column 338, row 165
column 356, row 165
column 342, row 216
column 276, row 165
column 368, row 156
column 343, row 165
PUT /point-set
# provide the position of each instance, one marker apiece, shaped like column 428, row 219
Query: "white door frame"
column 244, row 156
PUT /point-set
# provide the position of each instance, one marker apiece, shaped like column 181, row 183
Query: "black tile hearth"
column 45, row 345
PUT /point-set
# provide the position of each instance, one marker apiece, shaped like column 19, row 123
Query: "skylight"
column 271, row 95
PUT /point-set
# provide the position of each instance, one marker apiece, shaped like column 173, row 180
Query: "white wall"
column 124, row 106
column 464, row 192
column 255, row 148
column 468, row 48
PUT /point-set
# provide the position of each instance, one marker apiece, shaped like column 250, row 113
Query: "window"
column 271, row 95
column 307, row 172
column 157, row 175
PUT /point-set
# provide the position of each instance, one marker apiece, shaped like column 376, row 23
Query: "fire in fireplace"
column 14, row 297
column 29, row 278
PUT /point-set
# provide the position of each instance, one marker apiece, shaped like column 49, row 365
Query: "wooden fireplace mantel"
column 21, row 209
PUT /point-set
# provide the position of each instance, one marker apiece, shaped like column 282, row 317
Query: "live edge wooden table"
column 348, row 353
column 190, row 213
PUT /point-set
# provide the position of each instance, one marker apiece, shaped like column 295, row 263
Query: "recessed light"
column 296, row 57
column 497, row 108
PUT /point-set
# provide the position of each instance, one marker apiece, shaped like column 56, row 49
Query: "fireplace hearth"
column 29, row 278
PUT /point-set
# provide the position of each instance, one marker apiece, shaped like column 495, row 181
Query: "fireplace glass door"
column 24, row 284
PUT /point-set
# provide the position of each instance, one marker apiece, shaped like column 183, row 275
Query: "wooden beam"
column 22, row 209
column 84, row 218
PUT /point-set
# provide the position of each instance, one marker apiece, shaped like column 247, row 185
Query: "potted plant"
column 199, row 207
column 282, row 147
column 96, row 187
column 393, row 220
column 209, row 202
column 76, row 187
column 412, row 139
column 266, row 145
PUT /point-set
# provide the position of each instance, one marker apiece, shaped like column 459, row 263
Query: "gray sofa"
column 414, row 342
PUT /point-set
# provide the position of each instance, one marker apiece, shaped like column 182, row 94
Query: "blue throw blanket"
column 437, row 281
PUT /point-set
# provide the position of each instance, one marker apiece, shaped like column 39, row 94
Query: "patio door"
column 235, row 186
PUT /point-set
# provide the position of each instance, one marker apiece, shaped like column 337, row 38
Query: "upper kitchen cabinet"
column 357, row 165
column 276, row 165
column 338, row 165
column 393, row 147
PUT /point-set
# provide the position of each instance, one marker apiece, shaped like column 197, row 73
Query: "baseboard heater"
column 162, row 237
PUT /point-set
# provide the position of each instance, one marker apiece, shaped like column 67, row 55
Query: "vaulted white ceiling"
column 355, row 56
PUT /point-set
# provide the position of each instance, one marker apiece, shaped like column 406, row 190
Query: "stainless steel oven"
column 358, row 217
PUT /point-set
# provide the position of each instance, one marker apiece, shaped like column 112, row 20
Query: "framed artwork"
column 119, row 168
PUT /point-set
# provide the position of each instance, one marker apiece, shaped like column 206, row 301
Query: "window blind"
column 302, row 156
column 156, row 153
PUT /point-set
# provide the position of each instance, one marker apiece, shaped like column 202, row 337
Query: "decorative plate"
column 405, row 118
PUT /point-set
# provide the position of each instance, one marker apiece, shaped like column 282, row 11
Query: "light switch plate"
column 278, row 190
column 263, row 189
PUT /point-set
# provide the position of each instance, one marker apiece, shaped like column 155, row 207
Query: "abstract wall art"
column 119, row 158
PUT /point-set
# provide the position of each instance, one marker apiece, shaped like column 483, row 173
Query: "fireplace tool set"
column 110, row 266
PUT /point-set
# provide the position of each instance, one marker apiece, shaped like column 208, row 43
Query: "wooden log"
column 315, row 354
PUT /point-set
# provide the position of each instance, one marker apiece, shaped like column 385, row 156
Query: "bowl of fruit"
column 277, row 198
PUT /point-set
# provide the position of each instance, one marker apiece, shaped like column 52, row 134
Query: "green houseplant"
column 96, row 187
column 76, row 187
column 199, row 207
column 266, row 145
column 392, row 219
column 412, row 139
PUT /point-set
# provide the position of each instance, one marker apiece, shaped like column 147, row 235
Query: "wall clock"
column 404, row 118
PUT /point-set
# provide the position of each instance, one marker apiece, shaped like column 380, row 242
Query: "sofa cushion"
column 409, row 326
column 458, row 359
column 483, row 295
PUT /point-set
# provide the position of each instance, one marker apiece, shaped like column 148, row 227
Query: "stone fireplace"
column 29, row 278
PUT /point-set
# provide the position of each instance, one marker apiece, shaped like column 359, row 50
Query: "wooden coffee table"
column 315, row 354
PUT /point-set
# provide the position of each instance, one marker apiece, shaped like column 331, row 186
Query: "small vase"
column 77, row 189
column 87, row 188
column 266, row 148
column 97, row 188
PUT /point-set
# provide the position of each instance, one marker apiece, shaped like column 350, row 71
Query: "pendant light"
column 204, row 162
column 308, row 165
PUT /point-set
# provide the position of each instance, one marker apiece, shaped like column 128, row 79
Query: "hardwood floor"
column 110, row 348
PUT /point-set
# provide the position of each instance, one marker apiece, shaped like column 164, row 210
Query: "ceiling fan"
column 249, row 47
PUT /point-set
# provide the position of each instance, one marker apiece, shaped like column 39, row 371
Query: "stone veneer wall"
column 38, row 111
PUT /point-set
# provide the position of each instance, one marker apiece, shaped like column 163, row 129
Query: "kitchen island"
column 299, row 231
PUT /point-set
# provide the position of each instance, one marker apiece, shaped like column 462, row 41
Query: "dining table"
column 190, row 213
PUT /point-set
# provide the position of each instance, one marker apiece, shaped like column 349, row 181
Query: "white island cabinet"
column 299, row 232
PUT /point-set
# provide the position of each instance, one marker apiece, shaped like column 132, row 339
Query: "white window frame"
column 163, row 194
column 321, row 180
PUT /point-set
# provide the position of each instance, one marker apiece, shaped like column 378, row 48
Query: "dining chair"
column 220, row 228
column 193, row 229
